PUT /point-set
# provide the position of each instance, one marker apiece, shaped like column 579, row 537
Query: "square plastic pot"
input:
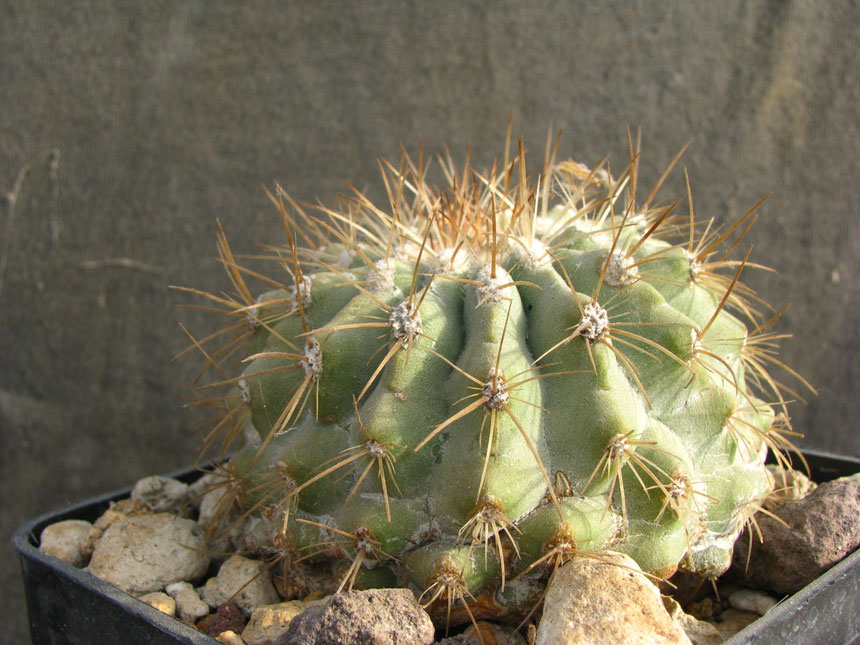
column 68, row 605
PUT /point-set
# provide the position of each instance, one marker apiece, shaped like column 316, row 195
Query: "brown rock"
column 369, row 617
column 822, row 528
column 228, row 617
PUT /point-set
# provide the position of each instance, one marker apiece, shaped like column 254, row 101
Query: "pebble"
column 64, row 540
column 161, row 494
column 212, row 506
column 752, row 600
column 189, row 606
column 698, row 631
column 230, row 638
column 146, row 553
column 269, row 622
column 731, row 621
column 589, row 602
column 120, row 510
column 247, row 582
column 198, row 490
column 214, row 518
column 160, row 601
column 116, row 511
column 228, row 617
column 175, row 587
column 368, row 617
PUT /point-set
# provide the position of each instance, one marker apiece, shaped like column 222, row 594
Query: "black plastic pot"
column 69, row 605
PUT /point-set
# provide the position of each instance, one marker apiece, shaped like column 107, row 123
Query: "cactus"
column 470, row 385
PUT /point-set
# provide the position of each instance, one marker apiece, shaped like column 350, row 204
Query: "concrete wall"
column 126, row 129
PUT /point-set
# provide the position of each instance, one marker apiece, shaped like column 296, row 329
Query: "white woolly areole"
column 533, row 254
column 618, row 446
column 375, row 449
column 490, row 288
column 621, row 270
column 602, row 177
column 283, row 473
column 585, row 224
column 242, row 384
column 364, row 541
column 495, row 393
column 695, row 268
column 595, row 321
column 448, row 262
column 405, row 321
column 697, row 345
column 305, row 289
column 252, row 315
column 312, row 362
column 345, row 257
column 545, row 225
column 382, row 276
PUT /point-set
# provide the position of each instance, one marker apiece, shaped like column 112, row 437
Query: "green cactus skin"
column 478, row 381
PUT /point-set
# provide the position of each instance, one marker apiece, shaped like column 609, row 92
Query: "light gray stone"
column 175, row 587
column 65, row 540
column 161, row 494
column 246, row 582
column 189, row 607
column 199, row 489
column 752, row 600
column 217, row 514
column 146, row 553
column 607, row 601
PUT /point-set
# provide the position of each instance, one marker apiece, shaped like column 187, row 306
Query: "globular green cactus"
column 479, row 380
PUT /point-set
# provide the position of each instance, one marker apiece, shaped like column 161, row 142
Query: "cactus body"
column 481, row 378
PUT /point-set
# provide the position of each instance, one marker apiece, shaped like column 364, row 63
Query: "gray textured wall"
column 127, row 128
